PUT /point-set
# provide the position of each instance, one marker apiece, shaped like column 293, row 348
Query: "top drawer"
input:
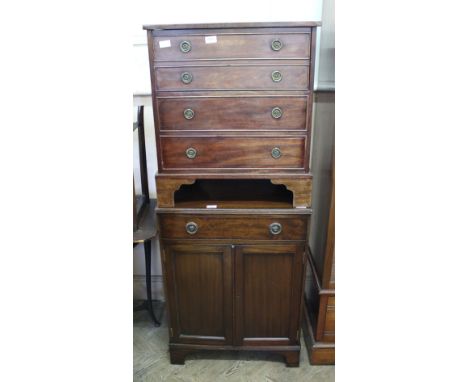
column 219, row 44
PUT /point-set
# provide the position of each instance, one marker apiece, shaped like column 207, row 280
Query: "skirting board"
column 139, row 287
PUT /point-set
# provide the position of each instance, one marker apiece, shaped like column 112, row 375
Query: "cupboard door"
column 199, row 284
column 268, row 289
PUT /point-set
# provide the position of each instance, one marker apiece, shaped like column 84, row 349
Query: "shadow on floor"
column 151, row 360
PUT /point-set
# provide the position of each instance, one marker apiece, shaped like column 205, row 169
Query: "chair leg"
column 149, row 297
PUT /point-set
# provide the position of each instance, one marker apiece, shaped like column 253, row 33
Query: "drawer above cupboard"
column 247, row 227
column 233, row 153
column 233, row 113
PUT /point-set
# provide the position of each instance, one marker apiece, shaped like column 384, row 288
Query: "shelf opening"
column 233, row 193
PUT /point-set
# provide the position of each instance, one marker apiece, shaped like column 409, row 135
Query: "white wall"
column 263, row 10
column 179, row 12
column 326, row 54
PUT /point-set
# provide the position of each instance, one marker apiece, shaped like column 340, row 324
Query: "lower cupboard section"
column 234, row 296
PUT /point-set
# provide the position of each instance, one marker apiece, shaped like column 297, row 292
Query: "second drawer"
column 246, row 77
column 232, row 227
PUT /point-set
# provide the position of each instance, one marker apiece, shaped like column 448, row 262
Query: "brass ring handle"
column 276, row 76
column 275, row 228
column 186, row 77
column 191, row 153
column 276, row 112
column 191, row 228
column 189, row 114
column 276, row 44
column 276, row 152
column 185, row 46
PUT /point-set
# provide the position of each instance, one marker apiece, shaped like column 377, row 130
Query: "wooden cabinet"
column 232, row 110
column 259, row 284
column 243, row 296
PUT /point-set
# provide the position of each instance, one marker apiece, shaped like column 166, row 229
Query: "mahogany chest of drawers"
column 232, row 109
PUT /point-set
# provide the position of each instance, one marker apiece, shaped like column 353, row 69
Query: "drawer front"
column 232, row 227
column 232, row 46
column 246, row 77
column 232, row 152
column 233, row 113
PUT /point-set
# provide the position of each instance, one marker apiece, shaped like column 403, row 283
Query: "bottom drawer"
column 247, row 227
column 281, row 152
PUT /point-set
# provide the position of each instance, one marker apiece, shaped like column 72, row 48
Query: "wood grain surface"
column 199, row 288
column 254, row 77
column 233, row 113
column 232, row 152
column 231, row 46
column 233, row 227
column 267, row 290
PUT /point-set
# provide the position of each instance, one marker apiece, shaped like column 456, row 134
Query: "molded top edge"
column 235, row 25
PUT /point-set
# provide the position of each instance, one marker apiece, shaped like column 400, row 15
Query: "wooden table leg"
column 149, row 297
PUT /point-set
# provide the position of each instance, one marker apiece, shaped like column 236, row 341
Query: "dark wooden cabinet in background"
column 319, row 312
column 232, row 109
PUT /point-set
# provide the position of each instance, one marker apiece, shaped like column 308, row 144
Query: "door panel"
column 268, row 289
column 199, row 282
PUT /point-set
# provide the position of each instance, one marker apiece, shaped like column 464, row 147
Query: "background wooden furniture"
column 144, row 224
column 140, row 202
column 319, row 313
column 145, row 234
column 232, row 108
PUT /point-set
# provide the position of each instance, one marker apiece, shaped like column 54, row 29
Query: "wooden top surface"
column 147, row 227
column 234, row 211
column 286, row 24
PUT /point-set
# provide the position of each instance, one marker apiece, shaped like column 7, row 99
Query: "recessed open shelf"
column 233, row 193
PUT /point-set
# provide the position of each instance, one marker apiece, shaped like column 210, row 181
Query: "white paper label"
column 210, row 40
column 165, row 43
column 211, row 206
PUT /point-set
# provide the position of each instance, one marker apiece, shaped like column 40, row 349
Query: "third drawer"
column 233, row 113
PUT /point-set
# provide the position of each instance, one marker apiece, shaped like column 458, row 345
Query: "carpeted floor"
column 151, row 360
